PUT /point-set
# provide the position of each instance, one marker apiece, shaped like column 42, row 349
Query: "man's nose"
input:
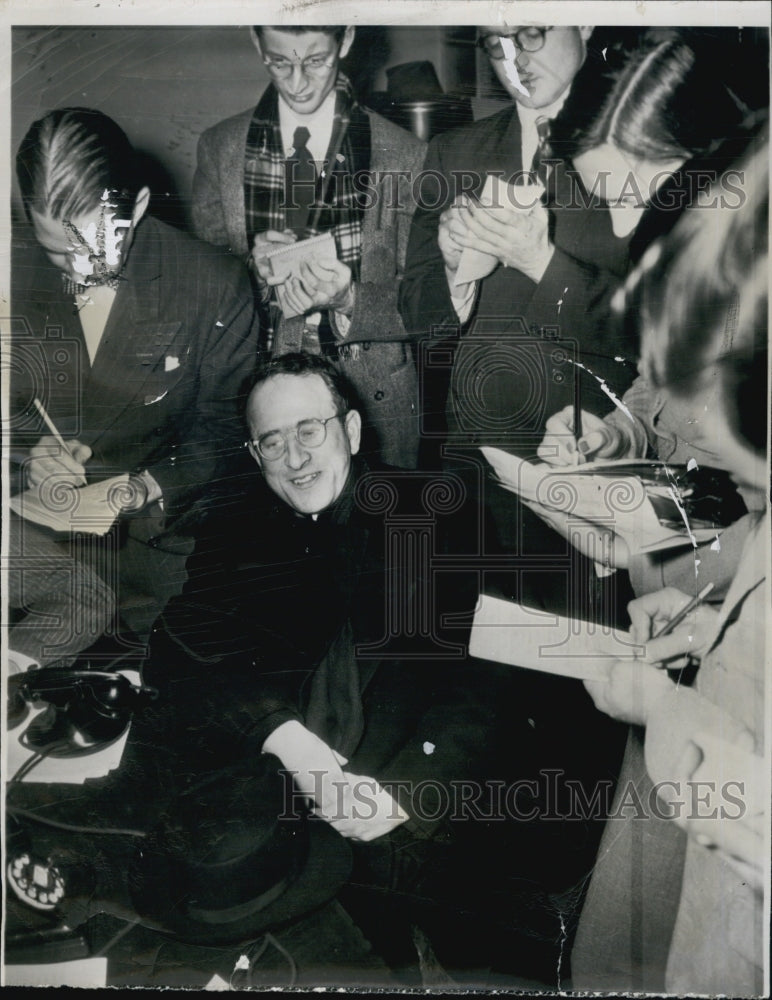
column 298, row 77
column 522, row 59
column 296, row 455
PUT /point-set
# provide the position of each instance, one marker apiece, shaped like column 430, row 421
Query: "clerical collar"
column 319, row 125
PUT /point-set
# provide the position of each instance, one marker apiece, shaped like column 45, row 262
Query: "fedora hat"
column 413, row 81
column 234, row 858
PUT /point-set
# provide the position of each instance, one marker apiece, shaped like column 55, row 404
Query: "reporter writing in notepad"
column 293, row 167
column 703, row 301
column 132, row 340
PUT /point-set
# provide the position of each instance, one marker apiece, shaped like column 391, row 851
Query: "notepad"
column 507, row 632
column 286, row 259
column 61, row 507
column 625, row 497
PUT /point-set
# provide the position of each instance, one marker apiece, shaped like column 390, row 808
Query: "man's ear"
column 254, row 453
column 353, row 425
column 141, row 203
column 348, row 38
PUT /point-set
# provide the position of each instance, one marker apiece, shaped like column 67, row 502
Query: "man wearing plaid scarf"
column 359, row 189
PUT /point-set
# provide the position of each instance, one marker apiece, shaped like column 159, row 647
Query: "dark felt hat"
column 235, row 858
column 413, row 81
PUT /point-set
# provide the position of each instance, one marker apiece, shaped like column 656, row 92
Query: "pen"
column 676, row 620
column 51, row 425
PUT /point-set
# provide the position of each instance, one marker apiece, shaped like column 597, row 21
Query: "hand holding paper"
column 58, row 505
column 324, row 284
column 507, row 225
column 629, row 690
column 64, row 459
column 651, row 612
column 300, row 291
column 559, row 446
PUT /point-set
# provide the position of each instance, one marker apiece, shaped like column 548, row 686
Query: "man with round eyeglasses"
column 303, row 438
column 296, row 166
column 547, row 265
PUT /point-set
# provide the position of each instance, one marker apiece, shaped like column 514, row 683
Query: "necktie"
column 300, row 182
column 539, row 169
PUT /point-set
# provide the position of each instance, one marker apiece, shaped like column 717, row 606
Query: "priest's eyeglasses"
column 310, row 433
column 528, row 39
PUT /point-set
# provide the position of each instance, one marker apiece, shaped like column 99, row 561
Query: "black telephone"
column 86, row 709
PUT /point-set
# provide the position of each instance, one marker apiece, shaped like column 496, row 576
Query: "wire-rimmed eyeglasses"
column 527, row 39
column 309, row 433
column 281, row 67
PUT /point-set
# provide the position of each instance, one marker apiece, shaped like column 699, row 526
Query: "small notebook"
column 287, row 258
column 92, row 509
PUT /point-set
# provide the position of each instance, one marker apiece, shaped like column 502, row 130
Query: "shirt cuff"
column 154, row 491
column 342, row 324
column 464, row 301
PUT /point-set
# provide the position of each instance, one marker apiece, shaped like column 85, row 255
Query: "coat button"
column 366, row 346
column 379, row 395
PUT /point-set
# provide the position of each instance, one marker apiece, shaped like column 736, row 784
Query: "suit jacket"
column 163, row 392
column 383, row 371
column 508, row 374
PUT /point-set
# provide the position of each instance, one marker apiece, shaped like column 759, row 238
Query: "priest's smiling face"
column 305, row 465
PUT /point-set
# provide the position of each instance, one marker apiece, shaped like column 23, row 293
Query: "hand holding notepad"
column 506, row 203
column 284, row 262
column 62, row 507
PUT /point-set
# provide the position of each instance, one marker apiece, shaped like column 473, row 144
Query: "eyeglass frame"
column 254, row 444
column 328, row 60
column 480, row 43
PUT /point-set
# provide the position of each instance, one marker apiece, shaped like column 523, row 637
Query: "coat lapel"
column 138, row 341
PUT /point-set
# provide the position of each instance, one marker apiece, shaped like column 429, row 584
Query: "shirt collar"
column 319, row 125
column 529, row 116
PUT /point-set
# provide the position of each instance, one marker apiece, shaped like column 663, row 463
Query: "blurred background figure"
column 692, row 887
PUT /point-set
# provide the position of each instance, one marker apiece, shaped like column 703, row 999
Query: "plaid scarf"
column 342, row 211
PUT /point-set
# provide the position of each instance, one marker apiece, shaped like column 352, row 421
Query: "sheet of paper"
column 92, row 509
column 526, row 637
column 619, row 503
column 496, row 194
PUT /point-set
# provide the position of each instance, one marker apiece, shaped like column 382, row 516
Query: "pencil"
column 676, row 620
column 51, row 425
column 577, row 402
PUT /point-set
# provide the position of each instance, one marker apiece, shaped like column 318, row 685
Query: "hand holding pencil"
column 672, row 624
column 53, row 456
column 596, row 439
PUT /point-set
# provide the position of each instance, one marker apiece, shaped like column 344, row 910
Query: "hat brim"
column 326, row 867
